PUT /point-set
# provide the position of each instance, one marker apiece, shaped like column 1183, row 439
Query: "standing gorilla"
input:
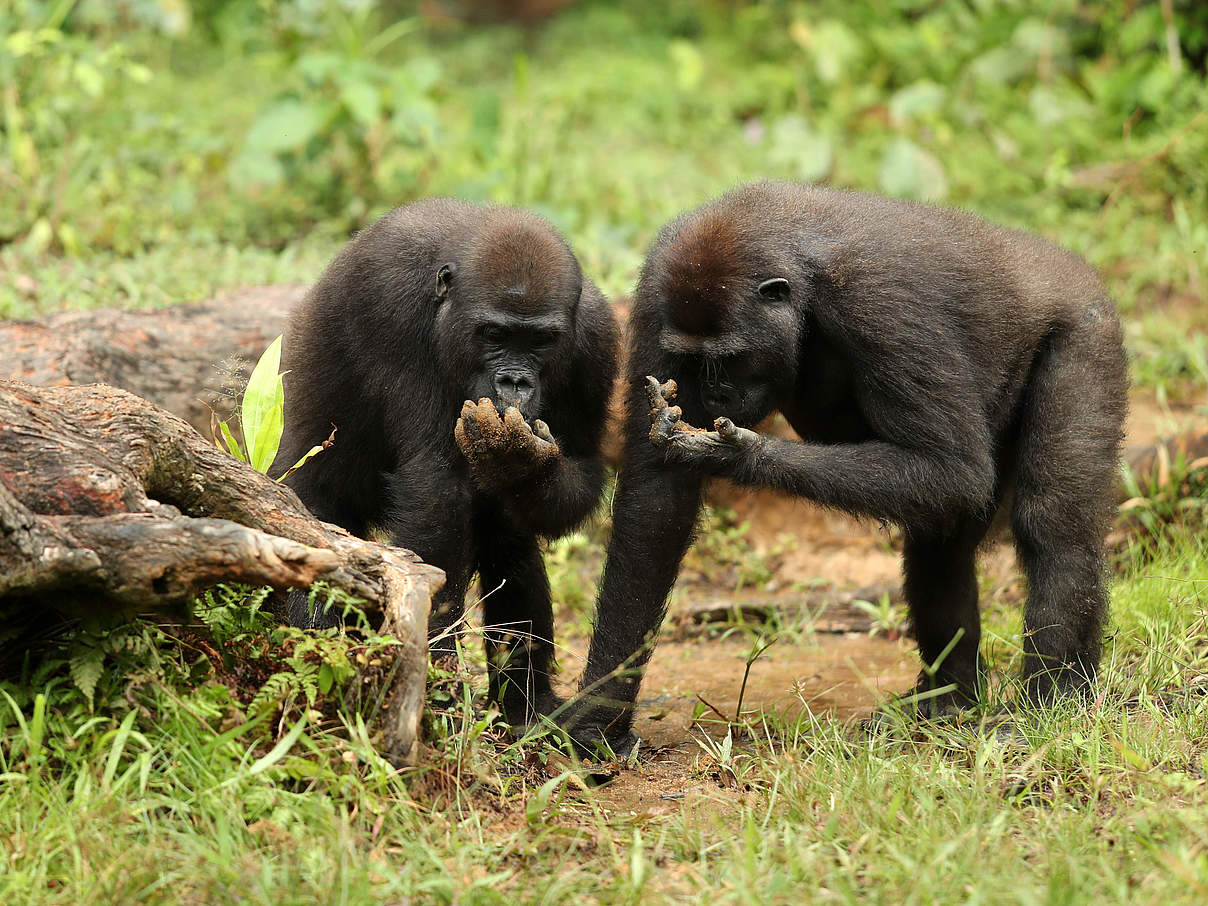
column 934, row 365
column 438, row 304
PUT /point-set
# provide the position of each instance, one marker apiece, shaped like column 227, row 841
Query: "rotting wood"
column 107, row 501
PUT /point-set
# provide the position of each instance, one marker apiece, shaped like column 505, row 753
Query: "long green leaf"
column 117, row 748
column 232, row 444
column 264, row 409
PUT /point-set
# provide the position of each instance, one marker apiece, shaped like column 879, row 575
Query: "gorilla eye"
column 493, row 334
column 776, row 289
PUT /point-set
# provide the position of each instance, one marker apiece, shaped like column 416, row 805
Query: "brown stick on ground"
column 108, row 502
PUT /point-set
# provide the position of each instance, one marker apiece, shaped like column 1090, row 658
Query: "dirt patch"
column 835, row 677
column 1150, row 420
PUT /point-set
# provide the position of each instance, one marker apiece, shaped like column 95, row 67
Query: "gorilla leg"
column 1069, row 448
column 518, row 620
column 941, row 591
column 654, row 513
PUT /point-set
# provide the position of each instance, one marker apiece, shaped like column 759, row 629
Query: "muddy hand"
column 504, row 447
column 734, row 436
column 713, row 451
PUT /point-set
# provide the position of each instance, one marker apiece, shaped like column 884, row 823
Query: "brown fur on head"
column 522, row 263
column 703, row 274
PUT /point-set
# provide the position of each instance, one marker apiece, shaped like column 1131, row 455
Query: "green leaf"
column 421, row 74
column 280, row 749
column 796, row 146
column 85, row 667
column 540, row 801
column 89, row 78
column 264, row 409
column 252, row 169
column 120, row 738
column 910, row 172
column 835, row 49
column 286, row 126
column 362, row 100
column 915, row 100
column 232, row 444
column 689, row 64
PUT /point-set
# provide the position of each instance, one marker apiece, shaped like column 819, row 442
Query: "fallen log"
column 190, row 359
column 108, row 502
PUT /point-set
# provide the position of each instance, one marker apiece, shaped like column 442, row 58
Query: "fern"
column 278, row 691
column 85, row 664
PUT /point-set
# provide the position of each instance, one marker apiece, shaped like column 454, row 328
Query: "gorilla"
column 937, row 368
column 466, row 363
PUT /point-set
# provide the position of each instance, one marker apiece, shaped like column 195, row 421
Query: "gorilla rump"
column 467, row 363
column 937, row 369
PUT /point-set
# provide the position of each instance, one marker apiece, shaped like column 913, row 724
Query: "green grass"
column 160, row 793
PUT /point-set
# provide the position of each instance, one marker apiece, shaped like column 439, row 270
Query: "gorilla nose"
column 514, row 389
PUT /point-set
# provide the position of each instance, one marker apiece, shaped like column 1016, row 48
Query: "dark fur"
column 388, row 345
column 936, row 366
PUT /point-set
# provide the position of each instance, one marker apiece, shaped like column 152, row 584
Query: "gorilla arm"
column 911, row 484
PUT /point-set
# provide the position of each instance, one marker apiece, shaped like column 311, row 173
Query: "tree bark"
column 108, row 502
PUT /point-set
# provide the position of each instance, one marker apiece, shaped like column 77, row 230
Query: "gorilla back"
column 935, row 367
column 466, row 363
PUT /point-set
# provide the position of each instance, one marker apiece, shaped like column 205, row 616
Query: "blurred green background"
column 160, row 150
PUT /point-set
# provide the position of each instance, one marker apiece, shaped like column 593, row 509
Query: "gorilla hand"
column 503, row 450
column 712, row 451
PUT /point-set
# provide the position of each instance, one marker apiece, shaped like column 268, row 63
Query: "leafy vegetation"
column 153, row 151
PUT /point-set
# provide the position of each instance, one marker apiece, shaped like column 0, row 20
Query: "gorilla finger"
column 516, row 428
column 541, row 429
column 486, row 410
column 468, row 433
column 726, row 429
column 698, row 441
column 489, row 423
column 654, row 392
column 669, row 390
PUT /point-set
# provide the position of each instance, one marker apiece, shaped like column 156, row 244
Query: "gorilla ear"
column 444, row 277
column 776, row 289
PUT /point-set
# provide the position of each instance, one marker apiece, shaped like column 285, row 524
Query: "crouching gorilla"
column 935, row 367
column 466, row 362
